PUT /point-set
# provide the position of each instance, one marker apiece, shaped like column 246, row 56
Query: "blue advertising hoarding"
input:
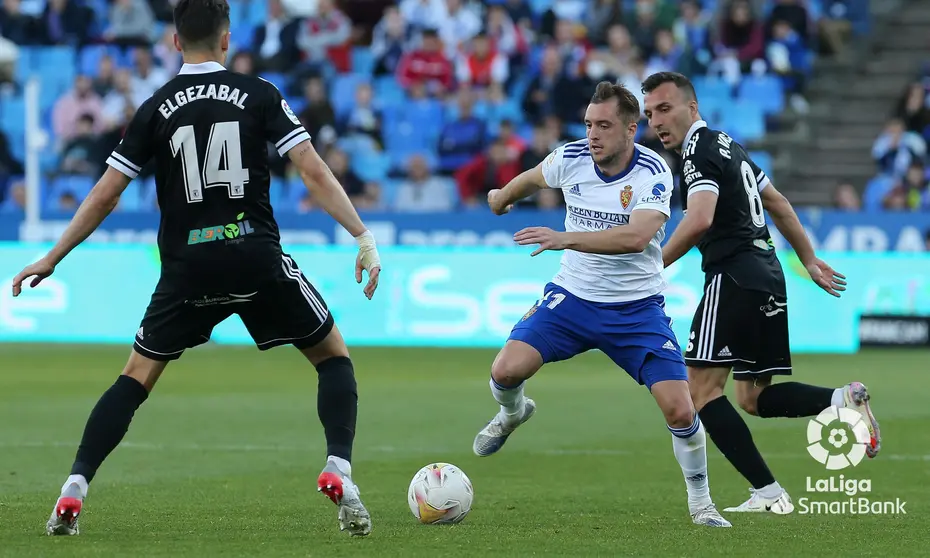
column 830, row 230
column 467, row 297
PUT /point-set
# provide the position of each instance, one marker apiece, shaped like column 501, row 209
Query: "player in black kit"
column 741, row 323
column 207, row 130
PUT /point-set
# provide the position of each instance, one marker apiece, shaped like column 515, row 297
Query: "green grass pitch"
column 222, row 460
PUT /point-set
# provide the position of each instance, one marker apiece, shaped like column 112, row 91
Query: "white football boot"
column 756, row 503
column 338, row 487
column 710, row 517
column 856, row 397
column 492, row 437
column 64, row 518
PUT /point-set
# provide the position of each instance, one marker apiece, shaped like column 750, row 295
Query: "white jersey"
column 595, row 202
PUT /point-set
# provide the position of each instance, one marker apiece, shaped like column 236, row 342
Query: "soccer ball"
column 440, row 493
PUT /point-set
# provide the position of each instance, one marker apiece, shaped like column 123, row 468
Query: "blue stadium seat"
column 875, row 191
column 241, row 35
column 149, row 195
column 278, row 80
column 89, row 58
column 362, row 61
column 257, row 12
column 708, row 87
column 371, row 167
column 764, row 160
column 744, row 121
column 539, row 7
column 766, row 91
column 77, row 185
column 342, row 92
column 237, row 13
column 388, row 92
column 131, row 200
column 13, row 115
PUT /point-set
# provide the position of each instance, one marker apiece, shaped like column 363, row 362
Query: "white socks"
column 771, row 491
column 690, row 447
column 838, row 399
column 78, row 480
column 341, row 464
column 510, row 398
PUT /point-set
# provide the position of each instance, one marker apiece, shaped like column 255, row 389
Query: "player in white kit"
column 607, row 293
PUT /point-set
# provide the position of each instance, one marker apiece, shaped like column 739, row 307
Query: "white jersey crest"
column 595, row 202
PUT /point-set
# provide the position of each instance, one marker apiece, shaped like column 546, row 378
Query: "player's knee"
column 511, row 369
column 679, row 414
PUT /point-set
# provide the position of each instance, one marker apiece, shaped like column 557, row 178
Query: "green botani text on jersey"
column 232, row 232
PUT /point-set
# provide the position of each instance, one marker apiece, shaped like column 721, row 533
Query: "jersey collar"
column 691, row 131
column 202, row 68
column 624, row 172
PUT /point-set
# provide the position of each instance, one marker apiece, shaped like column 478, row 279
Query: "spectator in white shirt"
column 422, row 192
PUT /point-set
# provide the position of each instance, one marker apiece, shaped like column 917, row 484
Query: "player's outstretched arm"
column 332, row 197
column 99, row 203
column 788, row 224
column 630, row 239
column 523, row 186
column 701, row 208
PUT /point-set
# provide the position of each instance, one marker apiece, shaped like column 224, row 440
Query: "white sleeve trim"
column 294, row 141
column 663, row 209
column 762, row 180
column 111, row 160
column 704, row 186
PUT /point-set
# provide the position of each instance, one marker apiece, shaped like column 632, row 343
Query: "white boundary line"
column 282, row 448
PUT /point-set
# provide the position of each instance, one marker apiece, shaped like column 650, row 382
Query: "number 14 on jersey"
column 224, row 145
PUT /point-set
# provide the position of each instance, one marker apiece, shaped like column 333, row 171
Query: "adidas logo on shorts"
column 669, row 345
column 725, row 352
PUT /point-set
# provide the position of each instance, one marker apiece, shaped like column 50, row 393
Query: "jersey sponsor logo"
column 215, row 300
column 595, row 220
column 773, row 307
column 656, row 196
column 231, row 233
column 626, row 196
column 763, row 245
column 575, row 190
column 691, row 173
column 289, row 112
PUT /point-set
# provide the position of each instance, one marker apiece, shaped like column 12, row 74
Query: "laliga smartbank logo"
column 836, row 439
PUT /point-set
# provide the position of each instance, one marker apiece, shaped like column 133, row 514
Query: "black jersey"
column 738, row 242
column 208, row 131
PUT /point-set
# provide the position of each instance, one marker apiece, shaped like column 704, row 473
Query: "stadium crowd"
column 419, row 105
column 902, row 182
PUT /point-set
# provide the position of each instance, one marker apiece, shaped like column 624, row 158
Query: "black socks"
column 793, row 399
column 337, row 405
column 730, row 434
column 107, row 424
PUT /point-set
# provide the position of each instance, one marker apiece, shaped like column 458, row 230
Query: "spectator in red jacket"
column 492, row 169
column 427, row 64
column 482, row 67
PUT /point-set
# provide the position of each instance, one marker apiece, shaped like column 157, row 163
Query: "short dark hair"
column 627, row 104
column 681, row 81
column 199, row 23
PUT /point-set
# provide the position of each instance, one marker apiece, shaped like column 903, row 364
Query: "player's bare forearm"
column 523, row 186
column 629, row 239
column 685, row 237
column 702, row 206
column 99, row 203
column 325, row 189
column 787, row 223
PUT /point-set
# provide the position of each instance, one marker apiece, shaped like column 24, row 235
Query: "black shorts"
column 744, row 329
column 282, row 309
